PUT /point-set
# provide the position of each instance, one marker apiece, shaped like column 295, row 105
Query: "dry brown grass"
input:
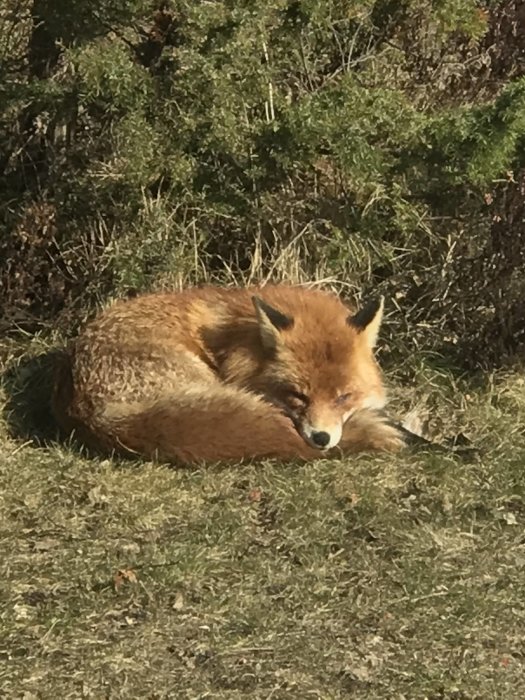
column 374, row 578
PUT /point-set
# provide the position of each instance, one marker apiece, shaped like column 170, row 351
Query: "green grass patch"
column 374, row 577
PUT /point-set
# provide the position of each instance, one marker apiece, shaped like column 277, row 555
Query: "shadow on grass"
column 28, row 385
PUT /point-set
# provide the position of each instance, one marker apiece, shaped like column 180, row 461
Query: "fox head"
column 319, row 365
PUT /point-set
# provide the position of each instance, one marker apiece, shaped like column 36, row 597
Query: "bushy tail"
column 207, row 425
column 234, row 426
column 202, row 426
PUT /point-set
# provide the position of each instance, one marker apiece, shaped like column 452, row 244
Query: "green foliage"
column 478, row 143
column 360, row 140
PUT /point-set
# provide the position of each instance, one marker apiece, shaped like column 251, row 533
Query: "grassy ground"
column 378, row 577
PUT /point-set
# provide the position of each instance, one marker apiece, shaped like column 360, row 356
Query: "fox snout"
column 321, row 436
column 322, row 428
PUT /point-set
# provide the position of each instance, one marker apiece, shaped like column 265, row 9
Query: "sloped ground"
column 379, row 577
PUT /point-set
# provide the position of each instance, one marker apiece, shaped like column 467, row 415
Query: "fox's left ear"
column 271, row 323
column 368, row 320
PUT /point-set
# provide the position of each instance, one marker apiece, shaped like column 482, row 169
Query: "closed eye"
column 299, row 397
column 343, row 398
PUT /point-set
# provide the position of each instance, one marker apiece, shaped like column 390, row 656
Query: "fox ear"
column 271, row 323
column 368, row 320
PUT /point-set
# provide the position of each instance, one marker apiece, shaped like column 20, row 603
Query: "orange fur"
column 212, row 374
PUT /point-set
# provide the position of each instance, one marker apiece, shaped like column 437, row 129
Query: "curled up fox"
column 225, row 374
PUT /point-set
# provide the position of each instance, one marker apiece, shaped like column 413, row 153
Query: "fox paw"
column 386, row 436
column 372, row 430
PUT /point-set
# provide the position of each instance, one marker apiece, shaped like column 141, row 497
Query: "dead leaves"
column 123, row 577
column 255, row 495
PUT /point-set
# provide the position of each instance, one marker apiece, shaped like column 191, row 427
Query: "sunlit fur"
column 206, row 375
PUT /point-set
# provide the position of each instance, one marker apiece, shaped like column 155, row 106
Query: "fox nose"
column 321, row 438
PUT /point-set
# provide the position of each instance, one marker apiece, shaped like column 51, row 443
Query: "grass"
column 377, row 577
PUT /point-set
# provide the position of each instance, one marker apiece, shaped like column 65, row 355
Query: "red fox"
column 222, row 374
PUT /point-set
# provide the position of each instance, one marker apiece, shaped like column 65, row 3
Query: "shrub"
column 377, row 143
